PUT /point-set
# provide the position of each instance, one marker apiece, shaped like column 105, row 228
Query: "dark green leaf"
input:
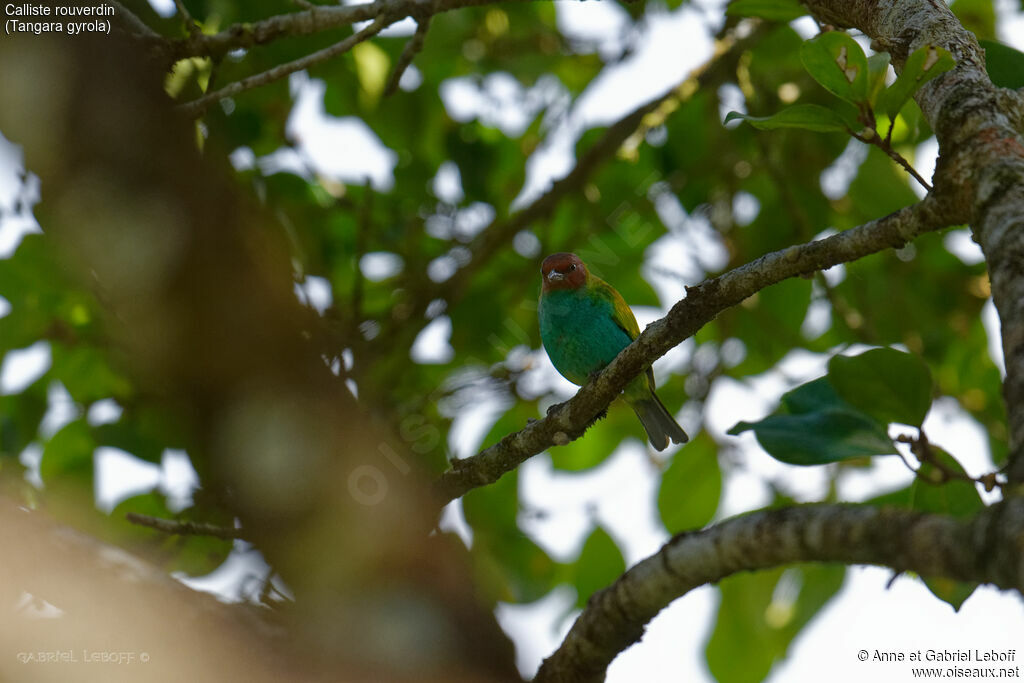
column 807, row 116
column 922, row 65
column 599, row 564
column 954, row 497
column 889, row 385
column 1004, row 64
column 837, row 62
column 814, row 426
column 776, row 10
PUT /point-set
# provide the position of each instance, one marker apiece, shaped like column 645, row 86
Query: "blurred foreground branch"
column 987, row 549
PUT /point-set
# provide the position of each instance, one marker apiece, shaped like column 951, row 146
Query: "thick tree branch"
column 986, row 549
column 981, row 161
column 702, row 303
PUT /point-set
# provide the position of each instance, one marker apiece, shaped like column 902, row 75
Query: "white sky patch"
column 380, row 265
column 120, row 475
column 178, row 478
column 990, row 319
column 836, row 178
column 5, row 307
column 925, row 156
column 104, row 411
column 959, row 243
column 238, row 578
column 448, row 183
column 431, row 345
column 1010, row 23
column 165, row 8
column 603, row 24
column 904, row 618
column 341, row 148
column 454, row 519
column 60, row 410
column 316, row 292
column 21, row 367
column 537, row 628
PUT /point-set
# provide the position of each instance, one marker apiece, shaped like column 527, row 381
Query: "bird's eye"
column 572, row 267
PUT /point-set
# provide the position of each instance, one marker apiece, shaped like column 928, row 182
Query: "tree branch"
column 198, row 106
column 315, row 20
column 702, row 304
column 171, row 526
column 981, row 162
column 988, row 548
column 409, row 52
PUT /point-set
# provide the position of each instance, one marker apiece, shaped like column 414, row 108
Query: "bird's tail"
column 658, row 422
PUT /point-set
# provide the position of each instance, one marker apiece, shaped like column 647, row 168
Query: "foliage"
column 681, row 184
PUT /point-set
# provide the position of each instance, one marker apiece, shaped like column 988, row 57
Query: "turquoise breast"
column 579, row 333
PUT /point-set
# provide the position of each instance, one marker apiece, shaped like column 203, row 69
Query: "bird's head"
column 563, row 271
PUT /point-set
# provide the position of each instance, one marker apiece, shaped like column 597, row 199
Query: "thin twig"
column 170, row 526
column 190, row 23
column 196, row 107
column 874, row 139
column 129, row 19
column 410, row 51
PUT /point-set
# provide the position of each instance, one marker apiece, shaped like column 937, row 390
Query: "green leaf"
column 691, row 486
column 599, row 564
column 878, row 69
column 20, row 415
column 955, row 497
column 807, row 116
column 761, row 613
column 1004, row 64
column 775, row 10
column 837, row 62
column 86, row 373
column 922, row 65
column 814, row 426
column 889, row 385
column 68, row 455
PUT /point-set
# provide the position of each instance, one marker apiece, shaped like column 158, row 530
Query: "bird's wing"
column 621, row 313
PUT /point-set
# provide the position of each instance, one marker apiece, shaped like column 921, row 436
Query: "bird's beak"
column 555, row 276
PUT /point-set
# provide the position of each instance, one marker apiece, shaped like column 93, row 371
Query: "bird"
column 584, row 324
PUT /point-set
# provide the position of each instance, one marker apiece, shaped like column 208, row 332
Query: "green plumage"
column 583, row 328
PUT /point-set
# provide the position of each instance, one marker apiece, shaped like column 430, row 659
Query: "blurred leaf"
column 837, row 62
column 600, row 563
column 67, row 456
column 1004, row 64
column 86, row 373
column 807, row 116
column 954, row 497
column 777, row 10
column 878, row 69
column 924, row 64
column 814, row 426
column 760, row 614
column 600, row 441
column 889, row 385
column 691, row 486
column 20, row 416
column 977, row 16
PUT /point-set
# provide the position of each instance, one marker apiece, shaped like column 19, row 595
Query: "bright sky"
column 620, row 494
